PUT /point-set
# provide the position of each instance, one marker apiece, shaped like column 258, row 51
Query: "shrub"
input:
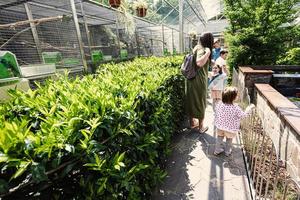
column 104, row 135
column 292, row 57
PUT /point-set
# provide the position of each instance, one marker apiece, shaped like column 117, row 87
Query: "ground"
column 194, row 172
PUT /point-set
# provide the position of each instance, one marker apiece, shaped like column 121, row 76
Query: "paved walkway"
column 194, row 172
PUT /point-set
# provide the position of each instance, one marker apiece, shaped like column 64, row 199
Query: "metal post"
column 151, row 35
column 163, row 39
column 137, row 42
column 172, row 41
column 118, row 36
column 34, row 31
column 86, row 27
column 78, row 34
column 181, row 26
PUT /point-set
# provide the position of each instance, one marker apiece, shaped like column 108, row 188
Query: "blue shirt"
column 216, row 53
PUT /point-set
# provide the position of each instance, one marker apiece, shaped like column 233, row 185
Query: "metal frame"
column 78, row 34
column 33, row 30
column 85, row 17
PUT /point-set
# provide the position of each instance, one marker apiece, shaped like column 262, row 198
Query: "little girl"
column 216, row 83
column 227, row 119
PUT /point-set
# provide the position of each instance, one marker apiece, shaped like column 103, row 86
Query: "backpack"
column 188, row 67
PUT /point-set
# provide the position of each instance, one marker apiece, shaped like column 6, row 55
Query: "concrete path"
column 194, row 172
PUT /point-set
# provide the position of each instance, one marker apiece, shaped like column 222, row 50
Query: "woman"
column 197, row 87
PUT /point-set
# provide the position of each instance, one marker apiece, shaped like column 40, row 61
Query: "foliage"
column 140, row 4
column 125, row 18
column 260, row 31
column 292, row 57
column 113, row 129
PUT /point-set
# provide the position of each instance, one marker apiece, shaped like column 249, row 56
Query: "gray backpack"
column 188, row 67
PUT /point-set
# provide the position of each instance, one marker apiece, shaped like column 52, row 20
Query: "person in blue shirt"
column 216, row 50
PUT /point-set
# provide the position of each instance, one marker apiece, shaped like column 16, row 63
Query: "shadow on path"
column 195, row 173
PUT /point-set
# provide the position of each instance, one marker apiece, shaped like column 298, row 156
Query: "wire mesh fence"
column 45, row 34
column 40, row 36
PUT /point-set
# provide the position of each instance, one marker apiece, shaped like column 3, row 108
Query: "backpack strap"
column 195, row 59
column 213, row 78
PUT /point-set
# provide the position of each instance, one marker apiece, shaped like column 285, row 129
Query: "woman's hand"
column 203, row 59
column 207, row 50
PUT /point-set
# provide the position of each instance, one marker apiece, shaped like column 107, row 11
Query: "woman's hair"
column 207, row 40
column 229, row 95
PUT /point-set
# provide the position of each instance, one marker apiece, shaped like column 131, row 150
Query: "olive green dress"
column 196, row 90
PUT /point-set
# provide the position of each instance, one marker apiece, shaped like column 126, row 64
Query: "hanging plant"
column 192, row 34
column 115, row 3
column 140, row 7
column 125, row 19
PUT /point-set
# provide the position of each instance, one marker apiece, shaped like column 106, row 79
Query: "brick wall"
column 247, row 77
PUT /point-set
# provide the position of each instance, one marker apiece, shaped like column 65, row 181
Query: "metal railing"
column 268, row 176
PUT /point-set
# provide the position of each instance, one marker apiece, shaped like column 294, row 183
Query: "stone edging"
column 281, row 105
column 250, row 70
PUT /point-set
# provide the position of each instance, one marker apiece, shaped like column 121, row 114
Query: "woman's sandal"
column 204, row 129
column 216, row 153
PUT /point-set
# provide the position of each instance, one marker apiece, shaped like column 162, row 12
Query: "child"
column 227, row 119
column 216, row 83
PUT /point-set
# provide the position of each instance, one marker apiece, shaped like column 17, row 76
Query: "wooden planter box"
column 141, row 12
column 115, row 3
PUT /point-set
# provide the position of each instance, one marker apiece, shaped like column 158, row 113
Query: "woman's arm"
column 203, row 59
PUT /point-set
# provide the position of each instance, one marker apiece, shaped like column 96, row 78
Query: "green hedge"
column 109, row 132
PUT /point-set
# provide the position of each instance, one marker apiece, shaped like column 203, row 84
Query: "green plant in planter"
column 125, row 19
column 140, row 7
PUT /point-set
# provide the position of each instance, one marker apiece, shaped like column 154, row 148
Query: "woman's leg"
column 202, row 129
column 193, row 122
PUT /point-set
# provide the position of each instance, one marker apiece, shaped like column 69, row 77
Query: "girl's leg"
column 214, row 103
column 218, row 148
column 228, row 148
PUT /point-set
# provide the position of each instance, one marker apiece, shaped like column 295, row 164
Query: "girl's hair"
column 220, row 68
column 229, row 95
column 207, row 40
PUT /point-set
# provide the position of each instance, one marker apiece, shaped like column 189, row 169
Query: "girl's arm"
column 210, row 74
column 224, row 69
column 242, row 114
